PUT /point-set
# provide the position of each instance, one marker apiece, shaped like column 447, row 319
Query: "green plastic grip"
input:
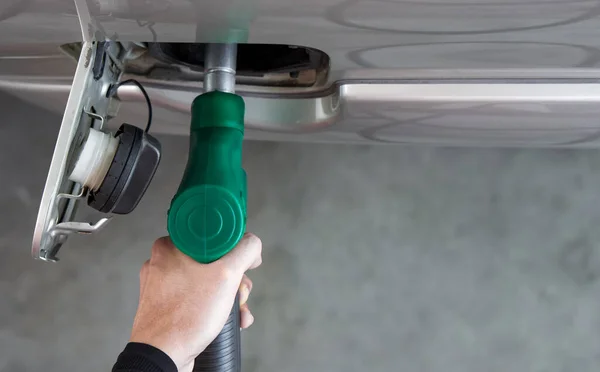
column 207, row 217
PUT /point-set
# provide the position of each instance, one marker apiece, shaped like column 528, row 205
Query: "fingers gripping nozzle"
column 207, row 216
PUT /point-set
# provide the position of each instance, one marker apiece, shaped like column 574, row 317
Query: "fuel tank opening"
column 257, row 64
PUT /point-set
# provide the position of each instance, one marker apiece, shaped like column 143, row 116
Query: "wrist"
column 166, row 347
column 144, row 357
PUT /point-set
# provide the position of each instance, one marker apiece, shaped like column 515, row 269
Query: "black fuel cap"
column 130, row 172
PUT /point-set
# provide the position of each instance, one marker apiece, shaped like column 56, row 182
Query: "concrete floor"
column 375, row 258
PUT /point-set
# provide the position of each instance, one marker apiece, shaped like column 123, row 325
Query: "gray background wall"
column 375, row 258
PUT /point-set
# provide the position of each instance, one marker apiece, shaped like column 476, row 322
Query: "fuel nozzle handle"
column 207, row 217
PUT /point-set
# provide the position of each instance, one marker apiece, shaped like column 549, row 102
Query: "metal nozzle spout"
column 219, row 67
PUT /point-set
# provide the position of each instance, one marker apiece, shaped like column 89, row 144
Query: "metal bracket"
column 100, row 65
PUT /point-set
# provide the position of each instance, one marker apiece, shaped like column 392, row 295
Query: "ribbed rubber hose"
column 224, row 353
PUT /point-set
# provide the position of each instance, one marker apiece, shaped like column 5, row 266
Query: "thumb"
column 246, row 255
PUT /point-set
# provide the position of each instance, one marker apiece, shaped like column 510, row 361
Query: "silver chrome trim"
column 469, row 92
column 491, row 112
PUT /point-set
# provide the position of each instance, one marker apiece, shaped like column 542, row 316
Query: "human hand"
column 184, row 304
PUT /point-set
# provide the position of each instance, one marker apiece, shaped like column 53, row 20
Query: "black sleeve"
column 143, row 358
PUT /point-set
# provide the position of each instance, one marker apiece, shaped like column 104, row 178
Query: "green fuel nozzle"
column 207, row 217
